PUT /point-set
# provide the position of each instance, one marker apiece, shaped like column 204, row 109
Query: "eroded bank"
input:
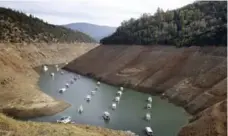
column 194, row 78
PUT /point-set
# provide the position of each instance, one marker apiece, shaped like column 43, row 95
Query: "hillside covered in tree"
column 200, row 23
column 18, row 27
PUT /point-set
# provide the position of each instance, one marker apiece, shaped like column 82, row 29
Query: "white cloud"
column 103, row 12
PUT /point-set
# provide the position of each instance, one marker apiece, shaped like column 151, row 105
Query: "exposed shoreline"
column 22, row 98
column 48, row 109
column 19, row 77
column 130, row 86
column 186, row 76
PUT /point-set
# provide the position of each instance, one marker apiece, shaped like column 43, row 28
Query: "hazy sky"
column 102, row 12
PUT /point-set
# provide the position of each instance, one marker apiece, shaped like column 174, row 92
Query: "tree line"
column 200, row 23
column 18, row 27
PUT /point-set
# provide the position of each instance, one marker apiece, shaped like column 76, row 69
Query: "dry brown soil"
column 192, row 77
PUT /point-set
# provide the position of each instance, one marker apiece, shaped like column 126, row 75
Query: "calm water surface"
column 166, row 120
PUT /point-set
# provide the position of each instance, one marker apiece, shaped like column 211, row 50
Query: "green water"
column 166, row 118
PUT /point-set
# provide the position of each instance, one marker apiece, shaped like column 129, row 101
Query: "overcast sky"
column 102, row 12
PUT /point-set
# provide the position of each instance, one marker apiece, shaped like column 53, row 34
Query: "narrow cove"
column 166, row 118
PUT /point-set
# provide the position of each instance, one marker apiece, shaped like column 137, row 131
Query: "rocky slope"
column 194, row 78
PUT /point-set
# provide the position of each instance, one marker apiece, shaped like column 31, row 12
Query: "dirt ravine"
column 194, row 78
column 20, row 95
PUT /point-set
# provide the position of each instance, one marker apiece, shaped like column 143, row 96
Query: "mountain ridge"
column 95, row 31
column 92, row 24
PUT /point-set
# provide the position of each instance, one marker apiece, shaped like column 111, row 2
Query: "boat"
column 56, row 66
column 114, row 106
column 80, row 109
column 62, row 72
column 45, row 68
column 67, row 85
column 93, row 92
column 64, row 120
column 121, row 88
column 98, row 83
column 148, row 117
column 148, row 106
column 75, row 78
column 62, row 90
column 88, row 98
column 52, row 74
column 149, row 99
column 149, row 131
column 106, row 115
column 119, row 93
column 117, row 99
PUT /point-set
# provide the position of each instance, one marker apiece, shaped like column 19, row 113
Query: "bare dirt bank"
column 11, row 127
column 194, row 78
column 20, row 95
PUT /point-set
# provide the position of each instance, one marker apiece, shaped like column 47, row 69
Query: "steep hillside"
column 17, row 27
column 96, row 31
column 200, row 23
column 194, row 78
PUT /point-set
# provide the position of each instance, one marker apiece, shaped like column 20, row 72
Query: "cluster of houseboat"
column 106, row 115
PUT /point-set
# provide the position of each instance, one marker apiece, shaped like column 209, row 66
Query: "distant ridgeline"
column 18, row 27
column 200, row 23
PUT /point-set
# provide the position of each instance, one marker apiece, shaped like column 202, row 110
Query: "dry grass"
column 11, row 127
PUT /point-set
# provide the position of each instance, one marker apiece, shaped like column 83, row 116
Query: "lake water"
column 166, row 118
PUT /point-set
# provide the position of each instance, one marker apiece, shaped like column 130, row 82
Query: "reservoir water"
column 166, row 118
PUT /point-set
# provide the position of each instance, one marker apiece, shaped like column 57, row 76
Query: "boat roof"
column 106, row 113
column 88, row 96
column 63, row 89
column 148, row 129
